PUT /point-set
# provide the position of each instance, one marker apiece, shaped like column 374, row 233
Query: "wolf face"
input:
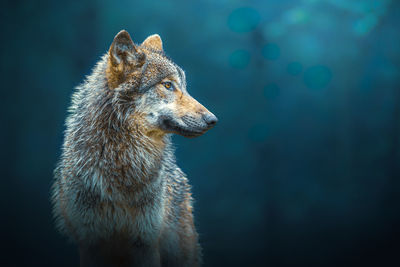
column 155, row 88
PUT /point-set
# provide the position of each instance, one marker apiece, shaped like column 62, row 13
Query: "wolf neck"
column 128, row 163
column 116, row 161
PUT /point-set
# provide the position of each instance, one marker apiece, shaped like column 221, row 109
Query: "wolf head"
column 155, row 87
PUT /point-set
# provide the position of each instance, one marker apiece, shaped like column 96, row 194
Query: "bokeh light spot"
column 243, row 19
column 296, row 16
column 274, row 29
column 365, row 25
column 271, row 90
column 317, row 77
column 239, row 59
column 271, row 51
column 294, row 68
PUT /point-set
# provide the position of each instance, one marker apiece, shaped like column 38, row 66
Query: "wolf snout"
column 210, row 119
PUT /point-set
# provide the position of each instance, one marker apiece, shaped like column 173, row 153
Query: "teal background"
column 303, row 167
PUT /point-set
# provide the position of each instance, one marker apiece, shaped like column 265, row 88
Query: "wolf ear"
column 124, row 57
column 124, row 51
column 153, row 42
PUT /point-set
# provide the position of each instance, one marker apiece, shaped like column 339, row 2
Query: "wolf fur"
column 118, row 192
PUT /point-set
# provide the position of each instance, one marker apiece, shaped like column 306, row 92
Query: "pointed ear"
column 153, row 42
column 124, row 58
column 124, row 51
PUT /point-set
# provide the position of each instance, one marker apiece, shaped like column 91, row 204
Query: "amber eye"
column 168, row 85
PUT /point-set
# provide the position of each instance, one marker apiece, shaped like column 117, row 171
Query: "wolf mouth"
column 185, row 131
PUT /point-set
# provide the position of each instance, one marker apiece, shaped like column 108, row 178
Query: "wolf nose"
column 210, row 119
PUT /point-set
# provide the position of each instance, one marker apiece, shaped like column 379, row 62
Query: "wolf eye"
column 168, row 85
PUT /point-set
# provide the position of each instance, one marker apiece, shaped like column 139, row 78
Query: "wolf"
column 118, row 192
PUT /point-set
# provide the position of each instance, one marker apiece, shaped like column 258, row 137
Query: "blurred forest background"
column 303, row 167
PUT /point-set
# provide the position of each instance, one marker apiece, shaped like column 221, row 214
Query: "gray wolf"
column 118, row 193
